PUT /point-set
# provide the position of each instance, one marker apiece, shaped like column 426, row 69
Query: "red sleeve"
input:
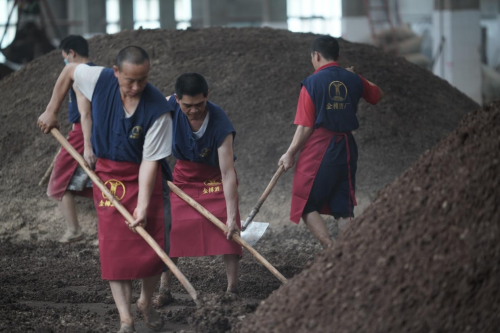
column 371, row 93
column 306, row 111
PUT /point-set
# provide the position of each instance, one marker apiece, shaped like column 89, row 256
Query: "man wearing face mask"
column 68, row 178
column 131, row 137
column 203, row 145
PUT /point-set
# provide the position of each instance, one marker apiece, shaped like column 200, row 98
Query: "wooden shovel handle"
column 203, row 211
column 264, row 196
column 140, row 230
column 270, row 187
column 47, row 174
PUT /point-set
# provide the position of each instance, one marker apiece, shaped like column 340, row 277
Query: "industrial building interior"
column 457, row 40
column 371, row 160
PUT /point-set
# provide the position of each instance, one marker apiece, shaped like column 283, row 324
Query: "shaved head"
column 133, row 55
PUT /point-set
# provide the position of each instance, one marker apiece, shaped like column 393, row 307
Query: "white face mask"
column 66, row 61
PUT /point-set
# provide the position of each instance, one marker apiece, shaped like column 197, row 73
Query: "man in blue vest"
column 203, row 145
column 67, row 178
column 324, row 178
column 131, row 136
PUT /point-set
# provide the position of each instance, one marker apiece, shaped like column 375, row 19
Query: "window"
column 147, row 14
column 5, row 10
column 317, row 16
column 183, row 13
column 112, row 16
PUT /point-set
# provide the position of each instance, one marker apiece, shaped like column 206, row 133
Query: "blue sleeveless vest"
column 73, row 113
column 335, row 93
column 186, row 147
column 114, row 136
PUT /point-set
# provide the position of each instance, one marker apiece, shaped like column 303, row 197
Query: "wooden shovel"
column 47, row 174
column 224, row 228
column 140, row 230
column 263, row 198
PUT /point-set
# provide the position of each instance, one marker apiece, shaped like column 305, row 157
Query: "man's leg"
column 343, row 223
column 341, row 205
column 68, row 210
column 145, row 303
column 232, row 262
column 317, row 226
column 122, row 294
column 165, row 294
column 323, row 187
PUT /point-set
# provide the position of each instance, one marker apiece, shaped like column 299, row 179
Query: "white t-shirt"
column 198, row 134
column 158, row 140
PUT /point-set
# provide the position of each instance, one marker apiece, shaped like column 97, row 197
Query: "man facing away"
column 68, row 178
column 325, row 175
column 131, row 136
column 203, row 145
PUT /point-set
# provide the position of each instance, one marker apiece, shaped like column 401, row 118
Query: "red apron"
column 65, row 167
column 307, row 167
column 124, row 254
column 192, row 235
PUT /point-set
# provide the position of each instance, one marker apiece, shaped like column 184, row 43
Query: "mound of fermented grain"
column 222, row 312
column 424, row 257
column 254, row 74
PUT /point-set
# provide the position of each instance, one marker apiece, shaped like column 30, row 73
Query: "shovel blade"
column 254, row 232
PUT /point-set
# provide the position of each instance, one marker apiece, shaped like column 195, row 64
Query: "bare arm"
column 147, row 178
column 48, row 119
column 84, row 107
column 226, row 162
column 302, row 133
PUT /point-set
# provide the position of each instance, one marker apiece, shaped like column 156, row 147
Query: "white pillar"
column 460, row 61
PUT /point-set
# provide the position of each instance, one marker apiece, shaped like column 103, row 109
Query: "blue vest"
column 186, row 147
column 114, row 136
column 73, row 113
column 335, row 93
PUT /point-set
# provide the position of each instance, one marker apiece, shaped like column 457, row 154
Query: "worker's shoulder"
column 218, row 114
column 216, row 110
column 152, row 91
column 96, row 71
column 155, row 96
column 334, row 74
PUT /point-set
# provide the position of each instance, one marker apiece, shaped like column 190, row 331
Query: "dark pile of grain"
column 424, row 257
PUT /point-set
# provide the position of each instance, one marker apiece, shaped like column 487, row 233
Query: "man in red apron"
column 324, row 178
column 203, row 145
column 131, row 135
column 68, row 178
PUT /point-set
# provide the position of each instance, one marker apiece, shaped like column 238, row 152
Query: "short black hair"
column 76, row 43
column 191, row 84
column 132, row 54
column 327, row 46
